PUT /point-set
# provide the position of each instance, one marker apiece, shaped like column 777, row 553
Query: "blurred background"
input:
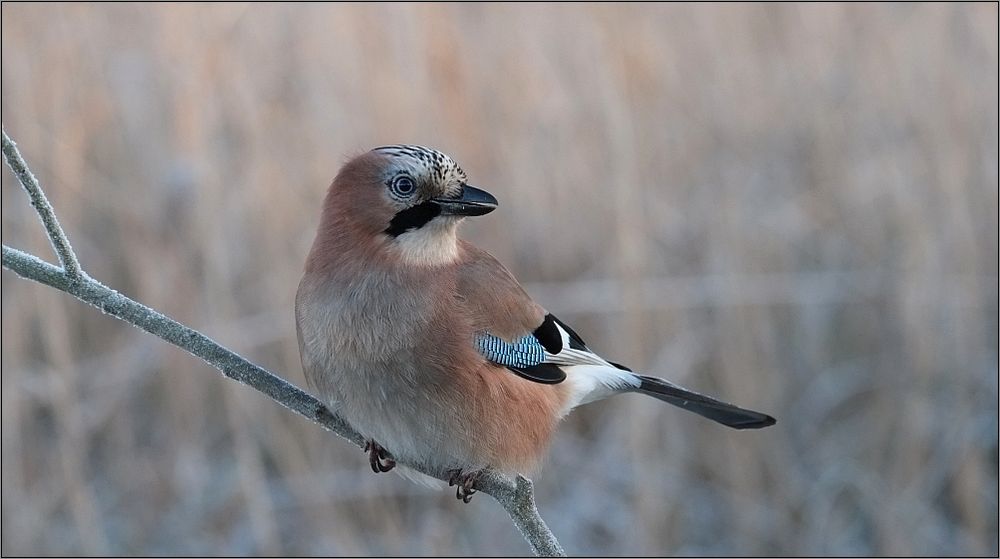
column 793, row 207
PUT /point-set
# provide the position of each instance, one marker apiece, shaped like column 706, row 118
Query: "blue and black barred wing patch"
column 526, row 352
column 525, row 356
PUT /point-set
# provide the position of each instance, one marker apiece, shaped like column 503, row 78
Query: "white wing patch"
column 569, row 356
column 589, row 383
column 589, row 376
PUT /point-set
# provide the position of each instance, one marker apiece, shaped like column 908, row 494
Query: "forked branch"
column 516, row 496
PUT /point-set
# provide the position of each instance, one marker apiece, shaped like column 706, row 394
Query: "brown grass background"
column 791, row 206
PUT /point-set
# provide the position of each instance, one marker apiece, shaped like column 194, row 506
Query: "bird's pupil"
column 404, row 185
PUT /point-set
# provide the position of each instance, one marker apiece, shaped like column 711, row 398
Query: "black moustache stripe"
column 412, row 218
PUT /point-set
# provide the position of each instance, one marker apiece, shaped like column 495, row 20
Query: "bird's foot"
column 466, row 482
column 378, row 457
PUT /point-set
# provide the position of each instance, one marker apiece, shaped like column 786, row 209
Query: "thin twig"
column 516, row 497
column 45, row 212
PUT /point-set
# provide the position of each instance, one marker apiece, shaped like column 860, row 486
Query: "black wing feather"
column 548, row 335
column 544, row 373
column 575, row 341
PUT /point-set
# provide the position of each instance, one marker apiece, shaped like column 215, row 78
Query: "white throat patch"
column 434, row 244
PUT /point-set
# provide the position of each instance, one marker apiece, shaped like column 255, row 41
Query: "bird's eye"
column 402, row 186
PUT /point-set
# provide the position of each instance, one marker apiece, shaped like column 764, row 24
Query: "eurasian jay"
column 427, row 345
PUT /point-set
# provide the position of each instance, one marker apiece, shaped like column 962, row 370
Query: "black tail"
column 726, row 414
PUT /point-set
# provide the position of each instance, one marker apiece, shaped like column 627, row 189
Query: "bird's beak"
column 473, row 201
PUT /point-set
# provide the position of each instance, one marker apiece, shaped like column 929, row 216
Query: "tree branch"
column 57, row 237
column 516, row 496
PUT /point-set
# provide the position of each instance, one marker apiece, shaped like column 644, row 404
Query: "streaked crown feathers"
column 427, row 162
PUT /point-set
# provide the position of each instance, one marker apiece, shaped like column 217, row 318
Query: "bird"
column 428, row 346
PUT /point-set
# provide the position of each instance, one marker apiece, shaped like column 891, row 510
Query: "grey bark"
column 516, row 496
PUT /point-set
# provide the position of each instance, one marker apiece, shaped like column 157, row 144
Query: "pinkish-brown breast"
column 494, row 299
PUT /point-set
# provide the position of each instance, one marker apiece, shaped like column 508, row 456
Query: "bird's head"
column 409, row 200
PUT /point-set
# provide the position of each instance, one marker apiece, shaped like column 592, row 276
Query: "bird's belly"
column 398, row 385
column 485, row 417
column 416, row 420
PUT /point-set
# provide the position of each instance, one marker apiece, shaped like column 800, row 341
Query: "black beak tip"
column 474, row 201
column 482, row 208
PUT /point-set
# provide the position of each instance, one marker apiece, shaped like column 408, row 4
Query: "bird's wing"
column 511, row 329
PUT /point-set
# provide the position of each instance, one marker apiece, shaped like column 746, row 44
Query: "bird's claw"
column 378, row 457
column 465, row 482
